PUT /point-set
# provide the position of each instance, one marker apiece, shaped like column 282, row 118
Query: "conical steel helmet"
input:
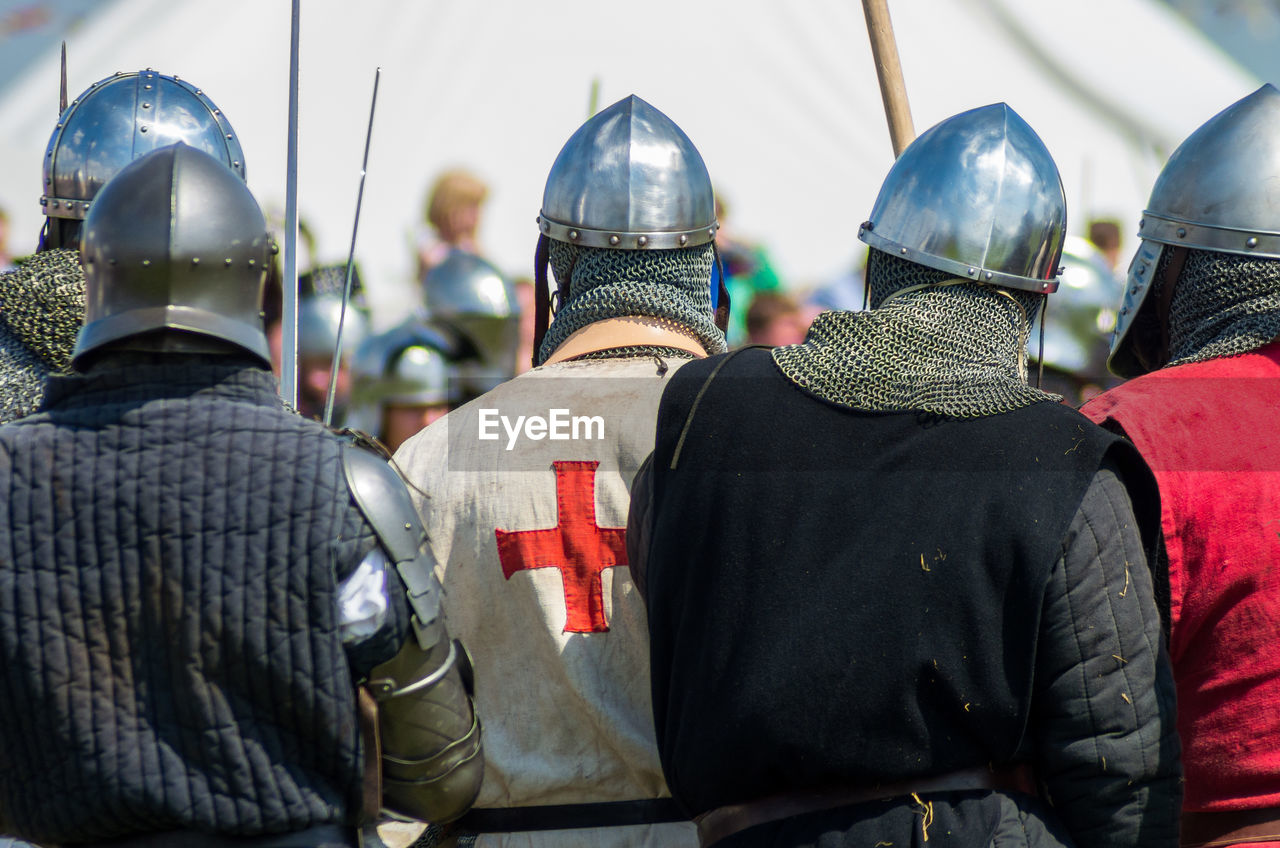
column 119, row 119
column 629, row 178
column 978, row 196
column 1220, row 191
column 175, row 241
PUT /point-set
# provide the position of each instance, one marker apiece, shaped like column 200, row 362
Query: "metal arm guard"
column 432, row 764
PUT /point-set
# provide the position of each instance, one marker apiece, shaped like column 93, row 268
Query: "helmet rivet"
column 642, row 241
column 1142, row 269
column 1252, row 242
column 228, row 135
column 712, row 232
column 142, row 129
column 989, row 275
column 684, row 240
column 613, row 239
column 972, row 271
column 195, row 260
column 1142, row 223
column 48, row 180
column 228, row 262
column 112, row 260
column 904, row 251
column 55, row 204
column 573, row 235
column 147, row 87
column 217, row 111
column 1182, row 232
column 146, row 262
column 198, row 91
column 146, row 105
column 275, row 248
column 235, row 164
column 44, row 201
column 408, row 526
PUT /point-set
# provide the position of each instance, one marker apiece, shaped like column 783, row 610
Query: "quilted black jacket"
column 170, row 542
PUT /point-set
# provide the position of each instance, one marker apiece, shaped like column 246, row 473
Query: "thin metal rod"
column 893, row 88
column 62, row 89
column 351, row 261
column 289, row 319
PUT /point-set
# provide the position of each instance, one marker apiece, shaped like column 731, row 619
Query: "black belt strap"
column 321, row 836
column 570, row 816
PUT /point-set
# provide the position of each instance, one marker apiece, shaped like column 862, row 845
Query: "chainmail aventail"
column 42, row 304
column 952, row 348
column 671, row 285
column 1224, row 305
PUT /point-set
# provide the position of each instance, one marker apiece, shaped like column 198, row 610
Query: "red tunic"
column 1209, row 432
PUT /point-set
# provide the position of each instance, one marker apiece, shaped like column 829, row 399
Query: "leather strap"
column 570, row 816
column 1230, row 827
column 723, row 822
column 371, row 793
column 1173, row 270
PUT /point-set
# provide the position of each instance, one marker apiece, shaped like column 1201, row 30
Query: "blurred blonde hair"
column 453, row 189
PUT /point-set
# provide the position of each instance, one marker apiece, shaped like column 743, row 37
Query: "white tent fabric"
column 781, row 98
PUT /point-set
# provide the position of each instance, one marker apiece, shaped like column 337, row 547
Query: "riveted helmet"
column 1083, row 313
column 175, row 241
column 412, row 364
column 119, row 119
column 472, row 296
column 977, row 196
column 629, row 178
column 1218, row 192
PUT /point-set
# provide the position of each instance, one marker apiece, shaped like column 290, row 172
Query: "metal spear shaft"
column 351, row 260
column 289, row 319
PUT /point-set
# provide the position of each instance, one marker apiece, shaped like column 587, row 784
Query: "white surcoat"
column 524, row 493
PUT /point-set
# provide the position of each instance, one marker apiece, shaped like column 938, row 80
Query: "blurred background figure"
column 319, row 311
column 1105, row 236
column 453, row 215
column 845, row 292
column 6, row 259
column 525, row 294
column 403, row 379
column 1077, row 331
column 747, row 271
column 775, row 319
column 471, row 297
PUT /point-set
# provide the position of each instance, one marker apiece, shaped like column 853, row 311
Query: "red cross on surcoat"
column 577, row 546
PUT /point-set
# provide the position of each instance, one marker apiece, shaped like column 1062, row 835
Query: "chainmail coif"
column 42, row 305
column 1224, row 304
column 669, row 284
column 957, row 350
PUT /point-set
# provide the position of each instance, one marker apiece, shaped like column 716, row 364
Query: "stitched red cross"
column 579, row 547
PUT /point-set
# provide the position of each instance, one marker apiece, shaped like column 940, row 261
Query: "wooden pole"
column 893, row 88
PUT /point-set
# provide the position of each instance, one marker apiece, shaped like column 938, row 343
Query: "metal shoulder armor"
column 381, row 495
column 432, row 760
